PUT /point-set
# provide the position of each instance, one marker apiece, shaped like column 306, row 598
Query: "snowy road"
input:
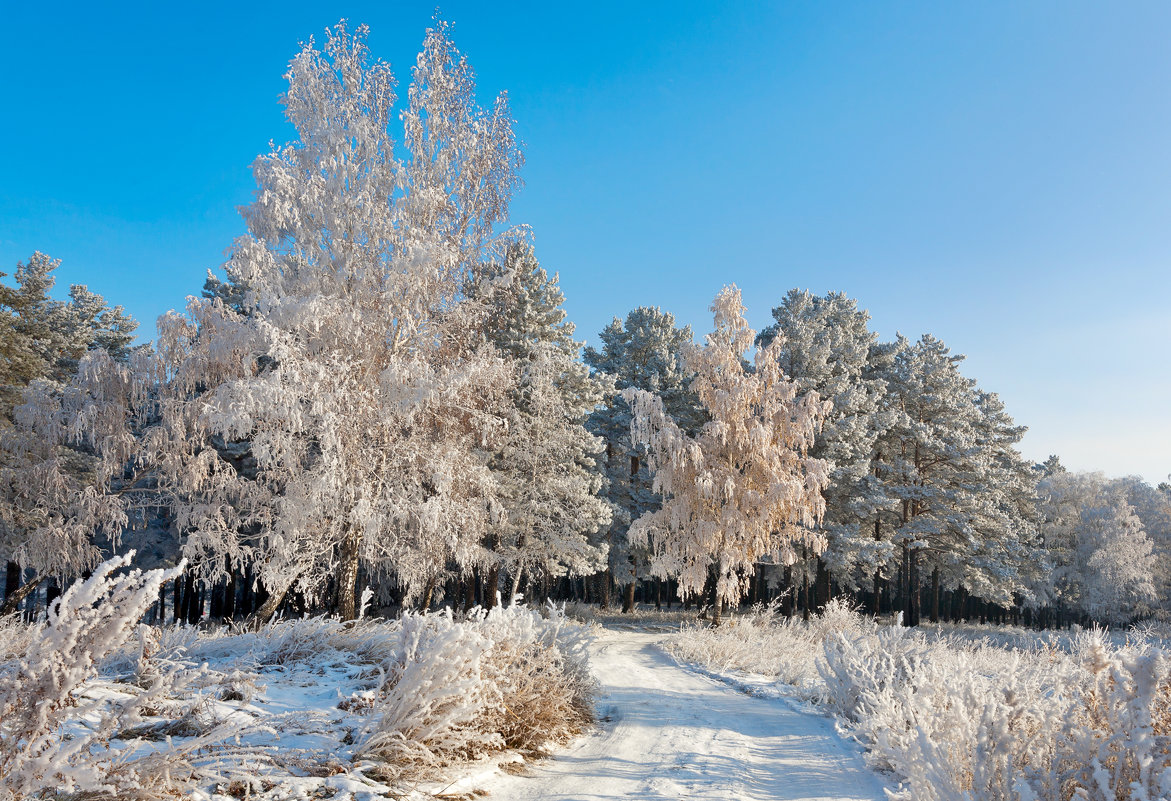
column 671, row 733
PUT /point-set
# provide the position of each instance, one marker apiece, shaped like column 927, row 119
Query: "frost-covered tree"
column 744, row 487
column 1153, row 507
column 1104, row 562
column 43, row 338
column 546, row 465
column 348, row 358
column 644, row 351
column 963, row 492
column 825, row 346
column 49, row 507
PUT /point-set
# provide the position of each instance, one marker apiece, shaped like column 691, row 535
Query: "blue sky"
column 996, row 174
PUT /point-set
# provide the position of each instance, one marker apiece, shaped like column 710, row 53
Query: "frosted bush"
column 455, row 690
column 768, row 644
column 54, row 736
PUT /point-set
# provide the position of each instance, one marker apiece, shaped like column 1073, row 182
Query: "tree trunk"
column 428, row 593
column 266, row 610
column 805, row 595
column 229, row 610
column 12, row 601
column 347, row 575
column 790, row 594
column 192, row 599
column 491, row 587
column 823, row 586
column 935, row 595
column 516, row 579
column 905, row 585
column 11, row 578
column 913, row 589
column 469, row 587
column 602, row 589
column 628, row 598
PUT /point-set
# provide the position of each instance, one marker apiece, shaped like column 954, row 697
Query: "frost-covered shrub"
column 766, row 643
column 322, row 640
column 1119, row 743
column 454, row 690
column 52, row 735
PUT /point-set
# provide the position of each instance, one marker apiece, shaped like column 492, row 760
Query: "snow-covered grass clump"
column 92, row 703
column 1085, row 718
column 766, row 643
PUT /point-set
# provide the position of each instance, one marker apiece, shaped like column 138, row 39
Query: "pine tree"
column 825, row 345
column 744, row 486
column 643, row 352
column 47, row 483
column 963, row 492
column 546, row 466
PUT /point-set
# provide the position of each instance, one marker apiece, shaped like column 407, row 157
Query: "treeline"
column 382, row 401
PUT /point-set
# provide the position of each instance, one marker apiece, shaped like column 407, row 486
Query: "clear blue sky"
column 995, row 173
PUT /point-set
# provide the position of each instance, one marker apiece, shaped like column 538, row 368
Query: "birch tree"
column 345, row 353
column 744, row 486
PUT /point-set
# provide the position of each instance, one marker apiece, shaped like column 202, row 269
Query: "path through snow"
column 671, row 733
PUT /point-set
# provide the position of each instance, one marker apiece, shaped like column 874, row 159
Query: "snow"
column 667, row 731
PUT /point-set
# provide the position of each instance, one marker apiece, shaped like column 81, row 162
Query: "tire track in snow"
column 671, row 733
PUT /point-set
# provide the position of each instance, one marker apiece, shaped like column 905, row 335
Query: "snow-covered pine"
column 1153, row 507
column 826, row 347
column 947, row 459
column 51, row 502
column 545, row 467
column 644, row 351
column 743, row 487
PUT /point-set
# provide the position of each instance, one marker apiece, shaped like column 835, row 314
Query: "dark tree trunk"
column 191, row 591
column 824, row 592
column 628, row 597
column 469, row 587
column 13, row 599
column 935, row 595
column 11, row 579
column 602, row 589
column 229, row 610
column 805, row 595
column 715, row 601
column 178, row 602
column 491, row 587
column 52, row 593
column 216, row 607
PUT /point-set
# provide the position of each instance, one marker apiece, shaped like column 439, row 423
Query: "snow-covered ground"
column 666, row 731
